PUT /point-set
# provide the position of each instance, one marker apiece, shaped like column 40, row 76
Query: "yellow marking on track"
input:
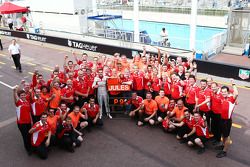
column 32, row 64
column 2, row 62
column 13, row 67
column 48, row 69
column 226, row 83
column 236, row 125
column 31, row 73
column 2, row 55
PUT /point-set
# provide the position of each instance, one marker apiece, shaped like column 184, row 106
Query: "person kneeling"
column 40, row 138
column 148, row 111
column 199, row 135
column 68, row 136
column 92, row 113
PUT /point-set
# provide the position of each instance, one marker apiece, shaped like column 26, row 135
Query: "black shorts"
column 193, row 137
column 146, row 116
column 225, row 125
column 181, row 131
column 161, row 114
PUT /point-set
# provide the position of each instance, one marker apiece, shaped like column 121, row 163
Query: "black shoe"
column 201, row 150
column 221, row 154
column 20, row 71
column 220, row 147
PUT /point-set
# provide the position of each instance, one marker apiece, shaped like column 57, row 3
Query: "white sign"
column 81, row 45
column 36, row 38
column 7, row 33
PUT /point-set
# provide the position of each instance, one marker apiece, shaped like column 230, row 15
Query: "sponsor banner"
column 5, row 32
column 119, row 88
column 36, row 37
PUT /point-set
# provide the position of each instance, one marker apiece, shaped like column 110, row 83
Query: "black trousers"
column 208, row 118
column 42, row 150
column 24, row 129
column 11, row 26
column 215, row 126
column 181, row 131
column 1, row 46
column 16, row 59
column 66, row 142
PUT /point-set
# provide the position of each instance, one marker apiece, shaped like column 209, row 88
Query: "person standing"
column 24, row 120
column 100, row 83
column 164, row 37
column 15, row 52
column 10, row 23
column 1, row 46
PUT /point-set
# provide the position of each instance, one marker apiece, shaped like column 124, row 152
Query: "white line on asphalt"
column 7, row 122
column 5, row 84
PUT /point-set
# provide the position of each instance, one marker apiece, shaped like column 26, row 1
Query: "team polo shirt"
column 92, row 111
column 167, row 88
column 189, row 122
column 23, row 111
column 150, row 106
column 45, row 97
column 227, row 107
column 136, row 102
column 90, row 80
column 202, row 95
column 190, row 93
column 38, row 106
column 68, row 92
column 179, row 113
column 52, row 122
column 75, row 118
column 161, row 102
column 216, row 102
column 156, row 84
column 82, row 87
column 66, row 130
column 40, row 133
column 54, row 103
column 138, row 81
column 201, row 129
column 176, row 90
column 147, row 80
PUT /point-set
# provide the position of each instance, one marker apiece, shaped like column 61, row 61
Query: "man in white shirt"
column 15, row 52
column 10, row 23
column 164, row 37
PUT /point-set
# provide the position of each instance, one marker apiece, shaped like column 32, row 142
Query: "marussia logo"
column 81, row 45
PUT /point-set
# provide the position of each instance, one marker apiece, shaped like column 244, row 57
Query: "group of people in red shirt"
column 164, row 92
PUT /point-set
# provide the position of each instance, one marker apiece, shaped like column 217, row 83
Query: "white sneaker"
column 110, row 117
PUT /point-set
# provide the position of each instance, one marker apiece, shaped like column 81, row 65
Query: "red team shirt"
column 38, row 106
column 202, row 95
column 138, row 81
column 40, row 133
column 189, row 122
column 190, row 94
column 227, row 107
column 92, row 111
column 176, row 90
column 216, row 100
column 201, row 129
column 23, row 111
column 136, row 102
column 68, row 92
